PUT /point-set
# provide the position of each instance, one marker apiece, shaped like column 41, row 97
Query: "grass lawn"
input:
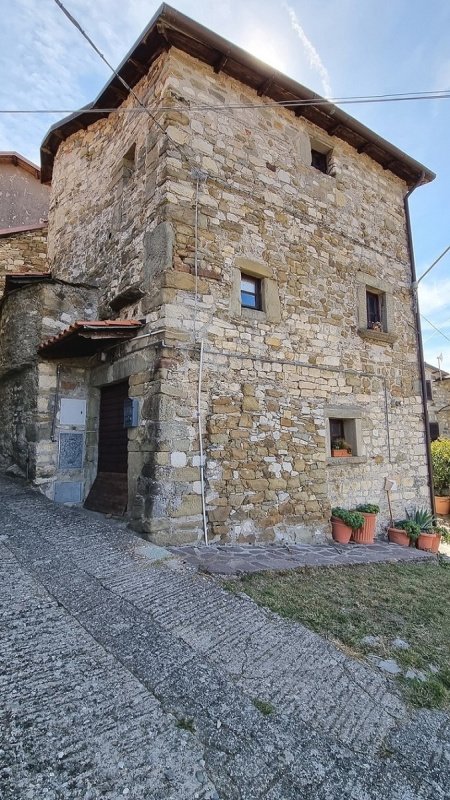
column 405, row 601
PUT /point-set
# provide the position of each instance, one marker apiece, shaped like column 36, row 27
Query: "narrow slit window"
column 251, row 292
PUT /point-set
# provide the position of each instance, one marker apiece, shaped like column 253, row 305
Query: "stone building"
column 23, row 217
column 438, row 401
column 230, row 294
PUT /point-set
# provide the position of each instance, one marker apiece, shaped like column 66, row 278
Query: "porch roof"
column 87, row 337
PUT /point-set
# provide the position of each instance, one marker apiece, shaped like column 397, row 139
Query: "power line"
column 435, row 328
column 104, row 59
column 443, row 94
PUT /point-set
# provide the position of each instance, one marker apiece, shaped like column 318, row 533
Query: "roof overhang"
column 37, row 226
column 169, row 28
column 87, row 337
column 17, row 280
column 11, row 157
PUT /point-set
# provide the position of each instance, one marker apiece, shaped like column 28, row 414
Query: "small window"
column 429, row 391
column 375, row 310
column 434, row 431
column 343, row 437
column 319, row 161
column 251, row 292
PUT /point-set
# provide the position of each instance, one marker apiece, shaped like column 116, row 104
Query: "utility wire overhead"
column 320, row 101
column 435, row 328
column 104, row 59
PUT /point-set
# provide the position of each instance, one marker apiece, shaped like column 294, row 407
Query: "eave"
column 169, row 28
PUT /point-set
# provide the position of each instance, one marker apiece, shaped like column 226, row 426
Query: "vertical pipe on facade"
column 197, row 176
column 55, row 405
column 200, row 439
column 419, row 340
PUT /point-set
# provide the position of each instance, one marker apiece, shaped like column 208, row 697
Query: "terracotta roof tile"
column 91, row 324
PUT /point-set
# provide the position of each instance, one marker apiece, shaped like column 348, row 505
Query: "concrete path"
column 126, row 677
column 241, row 559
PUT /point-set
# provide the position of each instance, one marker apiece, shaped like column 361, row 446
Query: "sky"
column 338, row 48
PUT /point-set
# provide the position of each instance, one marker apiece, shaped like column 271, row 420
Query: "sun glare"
column 262, row 46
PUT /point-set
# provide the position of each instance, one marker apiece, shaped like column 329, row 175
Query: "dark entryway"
column 109, row 492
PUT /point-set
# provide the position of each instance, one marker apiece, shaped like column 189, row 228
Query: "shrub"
column 440, row 458
column 368, row 508
column 353, row 519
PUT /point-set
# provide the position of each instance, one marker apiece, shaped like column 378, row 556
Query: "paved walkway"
column 240, row 559
column 126, row 677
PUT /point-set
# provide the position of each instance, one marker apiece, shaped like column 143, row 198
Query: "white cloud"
column 314, row 58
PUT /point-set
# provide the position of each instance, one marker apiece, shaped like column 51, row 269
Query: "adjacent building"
column 23, row 217
column 229, row 300
column 438, row 401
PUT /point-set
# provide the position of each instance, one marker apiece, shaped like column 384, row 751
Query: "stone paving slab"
column 229, row 560
column 124, row 677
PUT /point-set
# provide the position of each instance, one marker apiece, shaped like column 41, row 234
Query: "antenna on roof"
column 439, row 359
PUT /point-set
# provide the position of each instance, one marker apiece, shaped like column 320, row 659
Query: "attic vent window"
column 129, row 162
column 319, row 161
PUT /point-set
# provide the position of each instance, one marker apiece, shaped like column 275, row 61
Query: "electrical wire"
column 435, row 328
column 104, row 59
column 443, row 94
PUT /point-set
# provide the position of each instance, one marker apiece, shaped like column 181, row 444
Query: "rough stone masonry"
column 164, row 224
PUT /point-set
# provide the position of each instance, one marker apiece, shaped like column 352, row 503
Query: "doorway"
column 109, row 492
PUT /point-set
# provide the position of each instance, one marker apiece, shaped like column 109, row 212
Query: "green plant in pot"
column 366, row 534
column 405, row 533
column 340, row 448
column 344, row 523
column 426, row 523
column 440, row 459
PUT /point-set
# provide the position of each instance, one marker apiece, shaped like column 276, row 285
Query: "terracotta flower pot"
column 436, row 543
column 340, row 531
column 365, row 534
column 397, row 536
column 426, row 541
column 442, row 505
column 340, row 453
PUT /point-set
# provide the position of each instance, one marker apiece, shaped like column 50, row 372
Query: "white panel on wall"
column 73, row 412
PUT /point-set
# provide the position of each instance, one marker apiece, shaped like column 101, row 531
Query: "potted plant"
column 426, row 522
column 343, row 523
column 440, row 459
column 405, row 532
column 366, row 534
column 340, row 448
column 439, row 533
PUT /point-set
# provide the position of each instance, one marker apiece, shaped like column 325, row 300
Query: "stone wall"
column 28, row 386
column 122, row 216
column 24, row 251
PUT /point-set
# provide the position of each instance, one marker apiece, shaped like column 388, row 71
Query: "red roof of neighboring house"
column 11, row 157
column 86, row 337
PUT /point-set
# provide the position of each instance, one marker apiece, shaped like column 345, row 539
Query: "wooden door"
column 109, row 492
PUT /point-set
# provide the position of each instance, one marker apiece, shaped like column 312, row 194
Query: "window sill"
column 379, row 337
column 342, row 462
column 253, row 313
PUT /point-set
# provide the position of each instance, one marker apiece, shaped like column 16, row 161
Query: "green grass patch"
column 263, row 706
column 405, row 601
column 186, row 724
